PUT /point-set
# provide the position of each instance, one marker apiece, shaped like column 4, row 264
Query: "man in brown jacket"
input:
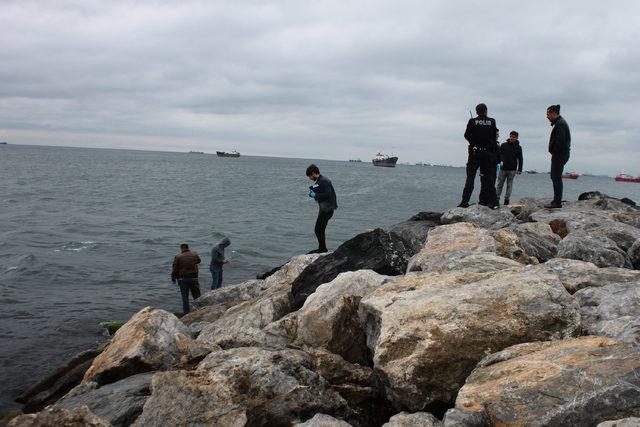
column 185, row 272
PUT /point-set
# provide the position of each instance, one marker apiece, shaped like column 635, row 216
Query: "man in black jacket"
column 322, row 191
column 481, row 135
column 559, row 147
column 510, row 155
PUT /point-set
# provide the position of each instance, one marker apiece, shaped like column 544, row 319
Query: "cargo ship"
column 623, row 177
column 384, row 161
column 233, row 153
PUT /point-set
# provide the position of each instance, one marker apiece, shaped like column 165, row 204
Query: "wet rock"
column 481, row 216
column 323, row 420
column 57, row 384
column 119, row 403
column 464, row 418
column 599, row 250
column 427, row 331
column 576, row 275
column 329, row 317
column 634, row 254
column 447, row 244
column 238, row 387
column 612, row 311
column 384, row 252
column 152, row 339
column 417, row 419
column 623, row 422
column 580, row 381
column 81, row 417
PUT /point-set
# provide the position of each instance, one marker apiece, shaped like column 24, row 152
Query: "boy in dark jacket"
column 510, row 164
column 322, row 191
column 217, row 261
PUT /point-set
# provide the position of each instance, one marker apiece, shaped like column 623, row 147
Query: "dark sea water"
column 88, row 235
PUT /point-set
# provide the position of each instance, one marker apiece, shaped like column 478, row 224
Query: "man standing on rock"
column 217, row 261
column 323, row 193
column 559, row 147
column 481, row 135
column 185, row 272
column 510, row 165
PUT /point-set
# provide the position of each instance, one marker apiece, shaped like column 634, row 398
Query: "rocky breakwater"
column 519, row 316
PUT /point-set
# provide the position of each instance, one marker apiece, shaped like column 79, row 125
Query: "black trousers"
column 485, row 161
column 321, row 226
column 186, row 285
column 557, row 167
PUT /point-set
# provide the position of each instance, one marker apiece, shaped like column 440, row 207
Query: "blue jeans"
column 216, row 277
column 186, row 285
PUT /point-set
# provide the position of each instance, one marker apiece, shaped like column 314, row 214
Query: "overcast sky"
column 322, row 79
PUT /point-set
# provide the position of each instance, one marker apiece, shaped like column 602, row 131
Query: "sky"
column 322, row 79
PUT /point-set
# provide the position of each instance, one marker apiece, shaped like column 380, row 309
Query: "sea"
column 89, row 235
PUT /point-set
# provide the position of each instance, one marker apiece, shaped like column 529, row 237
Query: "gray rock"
column 228, row 296
column 329, row 317
column 447, row 244
column 574, row 382
column 623, row 422
column 634, row 254
column 599, row 250
column 481, row 216
column 537, row 240
column 464, row 418
column 612, row 311
column 238, row 387
column 416, row 419
column 576, row 275
column 323, row 420
column 508, row 245
column 623, row 235
column 81, row 417
column 415, row 230
column 427, row 331
column 119, row 403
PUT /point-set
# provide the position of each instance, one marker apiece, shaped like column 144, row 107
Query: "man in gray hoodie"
column 217, row 261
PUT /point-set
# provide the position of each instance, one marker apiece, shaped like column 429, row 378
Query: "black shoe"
column 553, row 206
column 463, row 205
column 322, row 251
column 506, row 202
column 315, row 251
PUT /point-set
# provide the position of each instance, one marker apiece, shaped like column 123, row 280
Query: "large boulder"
column 59, row 382
column 230, row 295
column 634, row 254
column 447, row 244
column 508, row 245
column 208, row 314
column 152, row 339
column 427, row 331
column 323, row 420
column 244, row 386
column 80, row 417
column 384, row 252
column 600, row 250
column 417, row 419
column 577, row 216
column 579, row 381
column 415, row 230
column 576, row 275
column 119, row 403
column 329, row 317
column 537, row 240
column 623, row 422
column 623, row 235
column 482, row 216
column 612, row 311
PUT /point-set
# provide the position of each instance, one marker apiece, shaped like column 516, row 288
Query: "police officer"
column 481, row 135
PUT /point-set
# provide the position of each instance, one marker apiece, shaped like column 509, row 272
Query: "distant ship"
column 355, row 160
column 233, row 153
column 623, row 177
column 3, row 143
column 571, row 175
column 196, row 152
column 384, row 161
column 532, row 171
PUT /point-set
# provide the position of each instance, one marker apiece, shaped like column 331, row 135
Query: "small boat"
column 384, row 161
column 571, row 175
column 623, row 177
column 533, row 171
column 233, row 153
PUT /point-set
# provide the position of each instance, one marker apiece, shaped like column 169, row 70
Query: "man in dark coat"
column 559, row 148
column 510, row 156
column 323, row 193
column 481, row 135
column 185, row 272
column 217, row 261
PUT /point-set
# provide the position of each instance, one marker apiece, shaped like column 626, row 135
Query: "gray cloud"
column 331, row 79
